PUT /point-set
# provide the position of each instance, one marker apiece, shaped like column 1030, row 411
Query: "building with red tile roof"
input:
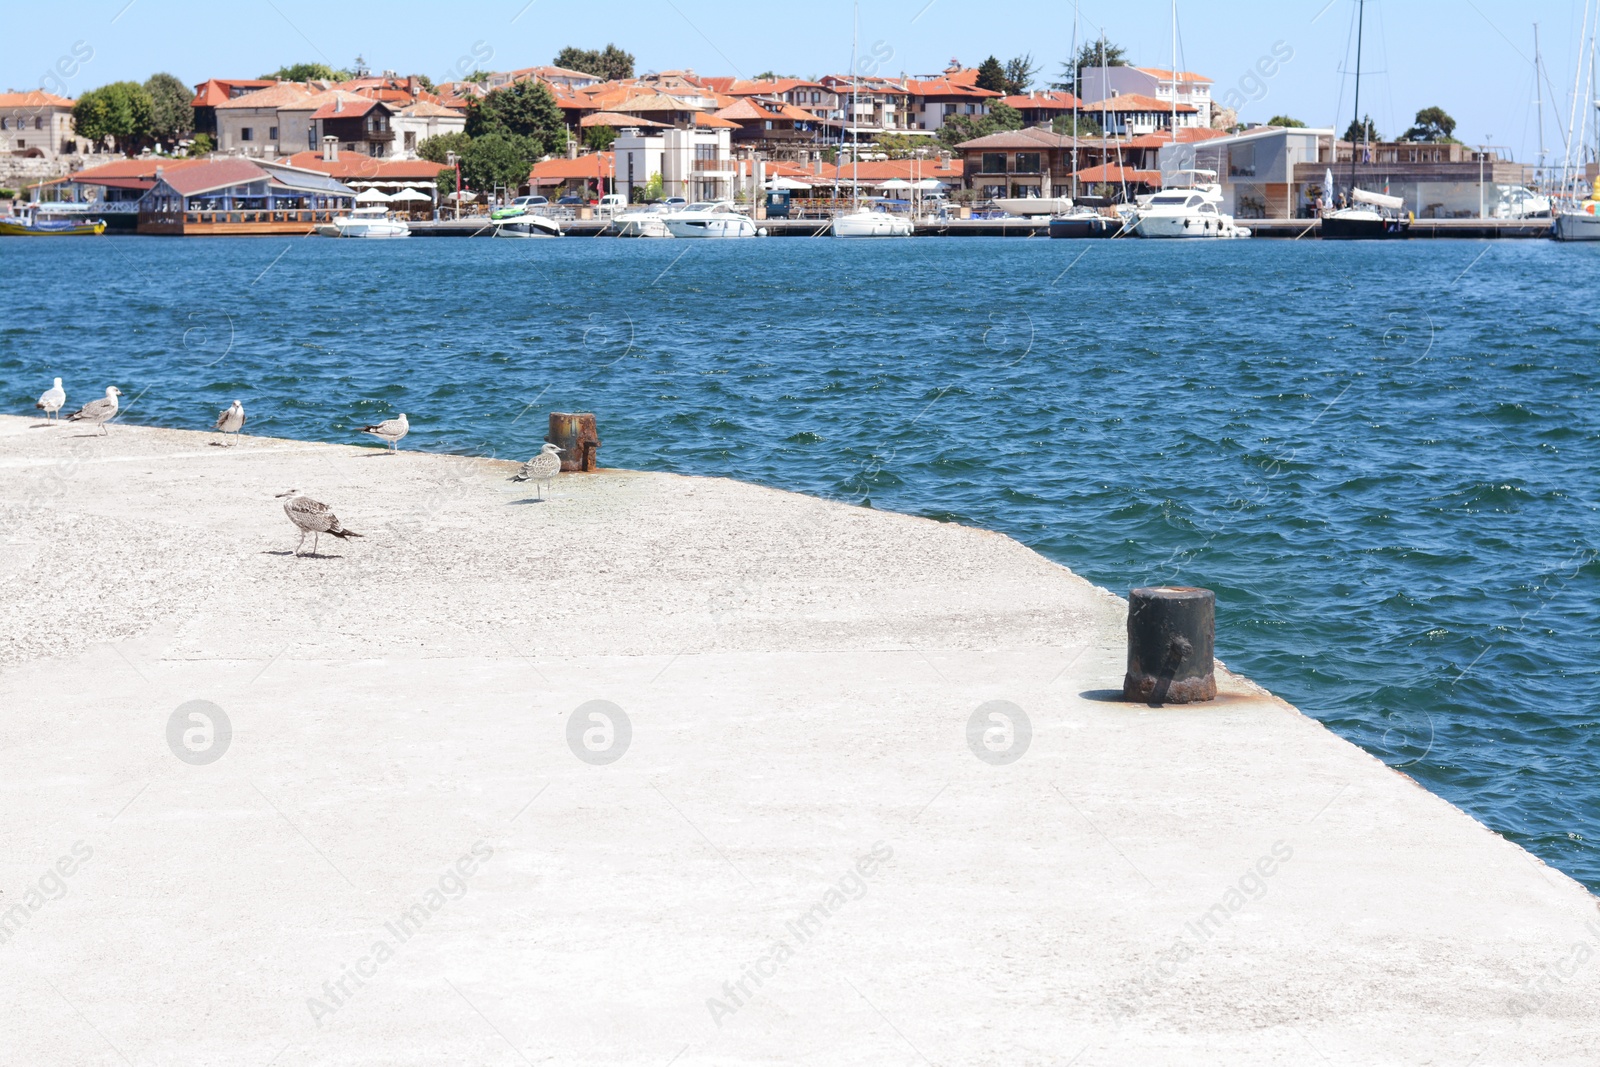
column 39, row 125
column 1156, row 83
column 1132, row 114
column 955, row 92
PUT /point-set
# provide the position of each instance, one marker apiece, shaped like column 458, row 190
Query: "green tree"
column 305, row 72
column 1005, row 117
column 1362, row 131
column 1020, row 73
column 992, row 75
column 654, row 187
column 765, row 76
column 599, row 138
column 900, row 145
column 121, row 111
column 1089, row 55
column 609, row 63
column 1079, row 126
column 499, row 159
column 959, row 128
column 438, row 149
column 172, row 115
column 424, row 81
column 1432, row 124
column 1285, row 120
column 478, row 77
column 202, row 145
column 525, row 109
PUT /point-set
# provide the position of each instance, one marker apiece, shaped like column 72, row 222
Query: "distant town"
column 588, row 129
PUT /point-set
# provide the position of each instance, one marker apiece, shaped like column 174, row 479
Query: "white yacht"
column 641, row 222
column 867, row 223
column 709, row 218
column 527, row 225
column 1193, row 211
column 365, row 222
column 1033, row 205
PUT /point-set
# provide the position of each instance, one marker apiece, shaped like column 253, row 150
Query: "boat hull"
column 13, row 228
column 1033, row 205
column 1381, row 229
column 1083, row 227
column 711, row 227
column 1577, row 224
column 1188, row 227
column 527, row 226
column 871, row 224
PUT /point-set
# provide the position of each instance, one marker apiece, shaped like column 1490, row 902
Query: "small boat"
column 1084, row 222
column 709, row 219
column 29, row 223
column 1024, row 206
column 524, row 225
column 371, row 222
column 1369, row 217
column 869, row 223
column 1579, row 221
column 641, row 222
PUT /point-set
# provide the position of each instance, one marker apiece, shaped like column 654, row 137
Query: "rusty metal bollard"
column 576, row 436
column 1171, row 638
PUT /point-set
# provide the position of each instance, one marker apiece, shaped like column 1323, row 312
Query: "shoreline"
column 799, row 680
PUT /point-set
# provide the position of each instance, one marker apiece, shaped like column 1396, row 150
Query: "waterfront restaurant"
column 241, row 196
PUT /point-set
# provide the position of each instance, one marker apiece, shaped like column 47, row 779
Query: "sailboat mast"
column 1077, row 100
column 1538, row 94
column 1174, row 74
column 1356, row 127
column 855, row 134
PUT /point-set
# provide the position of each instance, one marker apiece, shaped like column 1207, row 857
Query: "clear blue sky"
column 1472, row 57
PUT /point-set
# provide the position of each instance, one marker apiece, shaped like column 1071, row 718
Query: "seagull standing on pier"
column 390, row 430
column 541, row 468
column 312, row 517
column 50, row 403
column 99, row 412
column 232, row 420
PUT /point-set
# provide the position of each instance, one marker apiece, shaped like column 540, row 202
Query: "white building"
column 1102, row 83
column 38, row 125
column 694, row 163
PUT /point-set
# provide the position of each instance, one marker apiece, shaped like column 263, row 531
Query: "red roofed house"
column 955, row 92
column 1042, row 107
column 774, row 127
column 882, row 105
column 1133, row 114
column 1101, row 83
column 38, row 125
column 213, row 91
column 248, row 124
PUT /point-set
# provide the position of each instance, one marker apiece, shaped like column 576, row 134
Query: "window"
column 1242, row 161
column 1028, row 162
column 38, row 122
column 246, row 133
column 5, row 124
column 272, row 133
column 994, row 163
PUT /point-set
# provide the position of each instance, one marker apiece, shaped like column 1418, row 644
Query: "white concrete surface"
column 799, row 676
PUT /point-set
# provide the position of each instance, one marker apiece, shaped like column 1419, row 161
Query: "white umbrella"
column 787, row 183
column 410, row 194
column 893, row 183
column 371, row 196
column 929, row 184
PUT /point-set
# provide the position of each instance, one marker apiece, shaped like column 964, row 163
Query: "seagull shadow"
column 1104, row 696
column 90, row 435
column 42, row 425
column 297, row 555
column 529, row 500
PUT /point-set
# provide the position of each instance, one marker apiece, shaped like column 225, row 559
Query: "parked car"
column 611, row 204
column 530, row 201
column 676, row 202
column 570, row 201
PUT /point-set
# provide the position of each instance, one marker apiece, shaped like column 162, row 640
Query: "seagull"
column 541, row 468
column 99, row 411
column 50, row 403
column 312, row 517
column 232, row 420
column 390, row 430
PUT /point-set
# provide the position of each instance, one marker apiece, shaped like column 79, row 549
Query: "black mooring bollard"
column 1171, row 638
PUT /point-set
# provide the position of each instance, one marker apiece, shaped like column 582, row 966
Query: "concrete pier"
column 681, row 770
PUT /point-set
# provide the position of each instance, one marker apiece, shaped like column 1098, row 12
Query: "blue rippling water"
column 1382, row 457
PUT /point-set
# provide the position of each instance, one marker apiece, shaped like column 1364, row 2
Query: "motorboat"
column 869, row 223
column 1517, row 202
column 1193, row 211
column 641, row 222
column 1085, row 222
column 1368, row 217
column 526, row 225
column 1033, row 205
column 27, row 222
column 709, row 218
column 1580, row 220
column 365, row 222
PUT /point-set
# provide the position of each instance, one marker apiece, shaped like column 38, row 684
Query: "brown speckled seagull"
column 312, row 517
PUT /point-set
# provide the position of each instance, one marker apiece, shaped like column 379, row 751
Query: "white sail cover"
column 1393, row 203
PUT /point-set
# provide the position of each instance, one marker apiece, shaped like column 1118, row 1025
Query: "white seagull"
column 312, row 517
column 390, row 430
column 99, row 411
column 541, row 468
column 50, row 403
column 232, row 420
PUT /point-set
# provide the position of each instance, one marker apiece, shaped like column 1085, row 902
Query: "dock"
column 1421, row 229
column 667, row 769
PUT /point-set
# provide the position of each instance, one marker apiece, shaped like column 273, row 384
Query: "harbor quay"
column 644, row 768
